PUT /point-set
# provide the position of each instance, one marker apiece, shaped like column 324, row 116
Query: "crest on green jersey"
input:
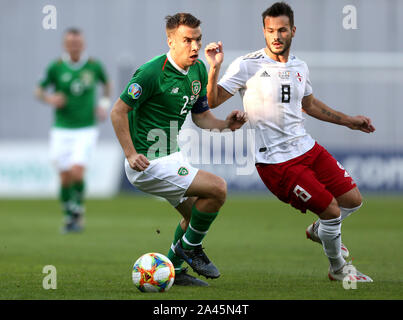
column 76, row 87
column 183, row 171
column 87, row 77
column 196, row 87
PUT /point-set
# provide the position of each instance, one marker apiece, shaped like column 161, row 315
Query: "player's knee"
column 331, row 212
column 351, row 199
column 219, row 190
column 77, row 173
column 185, row 222
column 353, row 202
column 356, row 201
column 66, row 178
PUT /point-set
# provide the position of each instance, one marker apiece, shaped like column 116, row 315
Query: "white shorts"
column 70, row 147
column 168, row 177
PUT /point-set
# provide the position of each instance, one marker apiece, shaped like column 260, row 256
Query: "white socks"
column 345, row 212
column 329, row 232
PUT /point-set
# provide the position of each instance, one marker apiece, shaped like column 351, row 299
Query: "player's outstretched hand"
column 361, row 123
column 236, row 119
column 138, row 162
column 214, row 53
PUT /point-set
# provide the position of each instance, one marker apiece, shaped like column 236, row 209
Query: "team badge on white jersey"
column 299, row 76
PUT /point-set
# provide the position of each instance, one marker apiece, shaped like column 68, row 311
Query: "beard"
column 286, row 43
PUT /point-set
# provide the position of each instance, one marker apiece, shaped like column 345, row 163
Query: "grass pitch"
column 258, row 243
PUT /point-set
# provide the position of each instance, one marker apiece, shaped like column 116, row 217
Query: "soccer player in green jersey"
column 74, row 78
column 156, row 100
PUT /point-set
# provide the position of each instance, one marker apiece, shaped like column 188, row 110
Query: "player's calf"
column 312, row 234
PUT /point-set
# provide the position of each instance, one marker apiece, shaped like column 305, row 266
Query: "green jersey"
column 78, row 84
column 161, row 95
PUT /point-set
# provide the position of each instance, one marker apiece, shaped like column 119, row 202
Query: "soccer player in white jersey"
column 276, row 89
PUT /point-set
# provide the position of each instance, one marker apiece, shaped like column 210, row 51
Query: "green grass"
column 258, row 243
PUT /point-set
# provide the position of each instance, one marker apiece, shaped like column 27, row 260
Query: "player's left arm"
column 105, row 102
column 207, row 120
column 319, row 110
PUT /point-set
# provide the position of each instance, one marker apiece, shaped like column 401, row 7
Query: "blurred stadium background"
column 357, row 71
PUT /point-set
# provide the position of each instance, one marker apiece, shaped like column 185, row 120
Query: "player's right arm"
column 120, row 122
column 139, row 89
column 56, row 99
column 216, row 94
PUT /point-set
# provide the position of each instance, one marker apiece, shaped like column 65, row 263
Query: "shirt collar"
column 72, row 64
column 290, row 58
column 184, row 72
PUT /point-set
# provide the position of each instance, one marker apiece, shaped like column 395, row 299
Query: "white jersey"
column 272, row 93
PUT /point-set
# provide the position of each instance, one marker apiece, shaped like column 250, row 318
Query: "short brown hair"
column 73, row 30
column 279, row 9
column 173, row 22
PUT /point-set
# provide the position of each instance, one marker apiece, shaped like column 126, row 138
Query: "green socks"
column 72, row 197
column 78, row 193
column 176, row 261
column 199, row 224
column 65, row 197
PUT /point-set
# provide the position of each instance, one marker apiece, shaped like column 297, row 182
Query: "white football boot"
column 312, row 234
column 348, row 273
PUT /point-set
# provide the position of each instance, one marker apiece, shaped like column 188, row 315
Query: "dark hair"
column 173, row 22
column 73, row 30
column 279, row 9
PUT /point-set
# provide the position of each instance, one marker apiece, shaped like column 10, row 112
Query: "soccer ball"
column 153, row 272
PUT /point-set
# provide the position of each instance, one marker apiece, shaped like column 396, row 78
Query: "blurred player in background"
column 156, row 100
column 275, row 88
column 74, row 78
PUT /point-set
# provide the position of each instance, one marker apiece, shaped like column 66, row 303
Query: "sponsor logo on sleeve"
column 134, row 90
